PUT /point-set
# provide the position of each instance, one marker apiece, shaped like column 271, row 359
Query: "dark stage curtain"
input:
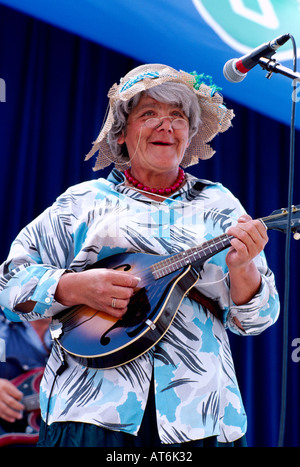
column 56, row 86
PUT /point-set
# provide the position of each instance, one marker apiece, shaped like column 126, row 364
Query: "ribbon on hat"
column 140, row 77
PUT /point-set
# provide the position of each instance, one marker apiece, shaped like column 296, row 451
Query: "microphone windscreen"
column 231, row 73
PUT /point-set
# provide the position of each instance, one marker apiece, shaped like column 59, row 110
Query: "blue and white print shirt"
column 196, row 391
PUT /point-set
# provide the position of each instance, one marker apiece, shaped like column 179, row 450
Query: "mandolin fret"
column 190, row 256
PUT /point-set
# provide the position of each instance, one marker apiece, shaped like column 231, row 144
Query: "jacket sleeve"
column 37, row 259
column 261, row 311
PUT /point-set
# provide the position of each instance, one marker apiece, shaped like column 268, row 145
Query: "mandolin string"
column 73, row 311
column 189, row 254
column 274, row 216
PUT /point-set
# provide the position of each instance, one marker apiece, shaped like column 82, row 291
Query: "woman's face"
column 158, row 149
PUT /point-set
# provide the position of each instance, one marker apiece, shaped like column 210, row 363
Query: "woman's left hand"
column 250, row 238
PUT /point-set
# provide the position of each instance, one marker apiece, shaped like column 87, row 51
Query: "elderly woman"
column 183, row 390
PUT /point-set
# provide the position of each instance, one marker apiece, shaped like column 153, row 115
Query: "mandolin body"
column 98, row 340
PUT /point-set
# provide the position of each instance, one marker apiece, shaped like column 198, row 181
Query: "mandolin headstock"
column 278, row 220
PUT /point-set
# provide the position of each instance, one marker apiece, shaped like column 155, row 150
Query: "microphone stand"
column 272, row 66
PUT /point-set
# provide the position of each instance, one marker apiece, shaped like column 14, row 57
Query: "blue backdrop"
column 56, row 86
column 188, row 34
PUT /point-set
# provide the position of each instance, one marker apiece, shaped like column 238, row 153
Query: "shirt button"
column 47, row 300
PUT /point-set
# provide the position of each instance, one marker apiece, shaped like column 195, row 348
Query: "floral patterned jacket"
column 196, row 391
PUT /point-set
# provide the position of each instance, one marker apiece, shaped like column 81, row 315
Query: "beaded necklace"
column 159, row 191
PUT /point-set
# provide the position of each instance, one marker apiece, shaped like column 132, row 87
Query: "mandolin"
column 98, row 340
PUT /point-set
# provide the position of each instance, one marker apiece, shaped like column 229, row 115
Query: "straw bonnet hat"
column 215, row 117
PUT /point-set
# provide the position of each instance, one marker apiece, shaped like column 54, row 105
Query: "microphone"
column 235, row 70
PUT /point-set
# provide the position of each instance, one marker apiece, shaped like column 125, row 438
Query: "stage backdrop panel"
column 57, row 77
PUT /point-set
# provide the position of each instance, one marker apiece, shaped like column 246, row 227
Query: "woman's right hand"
column 106, row 290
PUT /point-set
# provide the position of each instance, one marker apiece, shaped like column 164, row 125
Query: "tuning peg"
column 297, row 235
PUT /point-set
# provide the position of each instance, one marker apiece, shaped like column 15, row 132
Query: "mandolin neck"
column 199, row 254
column 191, row 256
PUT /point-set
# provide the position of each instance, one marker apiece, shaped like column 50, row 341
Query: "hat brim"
column 215, row 117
